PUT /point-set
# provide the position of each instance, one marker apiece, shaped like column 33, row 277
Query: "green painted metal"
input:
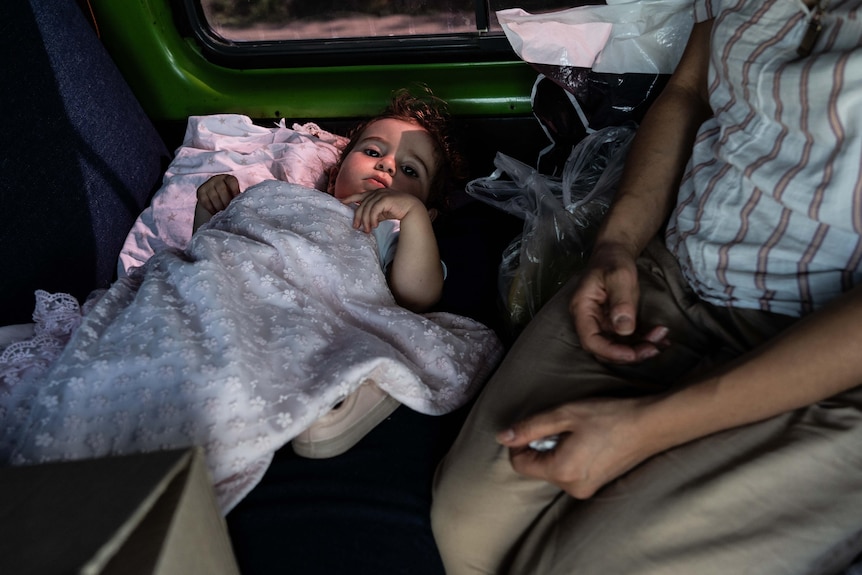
column 173, row 80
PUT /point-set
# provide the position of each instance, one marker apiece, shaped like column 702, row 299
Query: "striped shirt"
column 769, row 214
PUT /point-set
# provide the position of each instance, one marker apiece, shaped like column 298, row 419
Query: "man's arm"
column 660, row 151
column 814, row 359
column 605, row 305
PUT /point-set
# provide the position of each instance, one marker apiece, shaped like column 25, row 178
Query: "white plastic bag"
column 599, row 66
column 642, row 36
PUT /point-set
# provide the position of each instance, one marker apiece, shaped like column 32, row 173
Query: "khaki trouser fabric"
column 780, row 496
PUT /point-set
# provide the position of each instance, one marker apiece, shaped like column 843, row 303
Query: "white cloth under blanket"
column 277, row 309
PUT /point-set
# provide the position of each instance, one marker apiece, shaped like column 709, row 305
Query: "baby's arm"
column 214, row 195
column 416, row 273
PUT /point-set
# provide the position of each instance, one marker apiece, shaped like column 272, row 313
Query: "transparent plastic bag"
column 561, row 216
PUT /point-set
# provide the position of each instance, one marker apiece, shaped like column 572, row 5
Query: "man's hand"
column 599, row 440
column 604, row 310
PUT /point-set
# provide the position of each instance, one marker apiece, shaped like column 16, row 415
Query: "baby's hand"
column 379, row 205
column 216, row 193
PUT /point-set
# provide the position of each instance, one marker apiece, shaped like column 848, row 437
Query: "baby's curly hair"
column 431, row 113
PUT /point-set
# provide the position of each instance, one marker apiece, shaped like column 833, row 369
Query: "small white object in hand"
column 545, row 444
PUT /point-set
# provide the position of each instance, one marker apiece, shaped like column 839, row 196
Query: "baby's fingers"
column 217, row 192
column 367, row 214
column 225, row 191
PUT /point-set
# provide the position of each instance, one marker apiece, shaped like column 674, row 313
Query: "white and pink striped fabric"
column 769, row 215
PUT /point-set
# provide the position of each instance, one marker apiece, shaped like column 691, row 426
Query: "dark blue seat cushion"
column 79, row 158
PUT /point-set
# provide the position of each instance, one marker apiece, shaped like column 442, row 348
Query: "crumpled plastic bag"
column 640, row 36
column 599, row 65
column 561, row 216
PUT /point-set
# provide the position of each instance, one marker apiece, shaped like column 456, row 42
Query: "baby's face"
column 389, row 153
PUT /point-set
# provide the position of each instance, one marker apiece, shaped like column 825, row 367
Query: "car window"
column 248, row 20
column 442, row 30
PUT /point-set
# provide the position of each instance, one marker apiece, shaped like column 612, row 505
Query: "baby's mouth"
column 378, row 182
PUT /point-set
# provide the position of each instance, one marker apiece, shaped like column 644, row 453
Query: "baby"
column 394, row 164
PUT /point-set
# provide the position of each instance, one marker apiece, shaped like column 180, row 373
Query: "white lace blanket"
column 276, row 310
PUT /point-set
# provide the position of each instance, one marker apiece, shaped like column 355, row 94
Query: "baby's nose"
column 386, row 164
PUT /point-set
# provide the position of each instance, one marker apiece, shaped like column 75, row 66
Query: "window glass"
column 280, row 20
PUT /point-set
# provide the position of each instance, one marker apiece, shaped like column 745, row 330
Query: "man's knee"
column 451, row 518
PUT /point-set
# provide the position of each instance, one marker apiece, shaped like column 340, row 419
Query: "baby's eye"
column 371, row 152
column 410, row 171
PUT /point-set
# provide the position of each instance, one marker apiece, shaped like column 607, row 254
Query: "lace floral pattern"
column 56, row 317
column 276, row 310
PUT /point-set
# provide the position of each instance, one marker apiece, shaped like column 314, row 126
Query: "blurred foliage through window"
column 266, row 20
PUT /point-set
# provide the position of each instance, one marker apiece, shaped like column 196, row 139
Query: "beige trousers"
column 781, row 496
